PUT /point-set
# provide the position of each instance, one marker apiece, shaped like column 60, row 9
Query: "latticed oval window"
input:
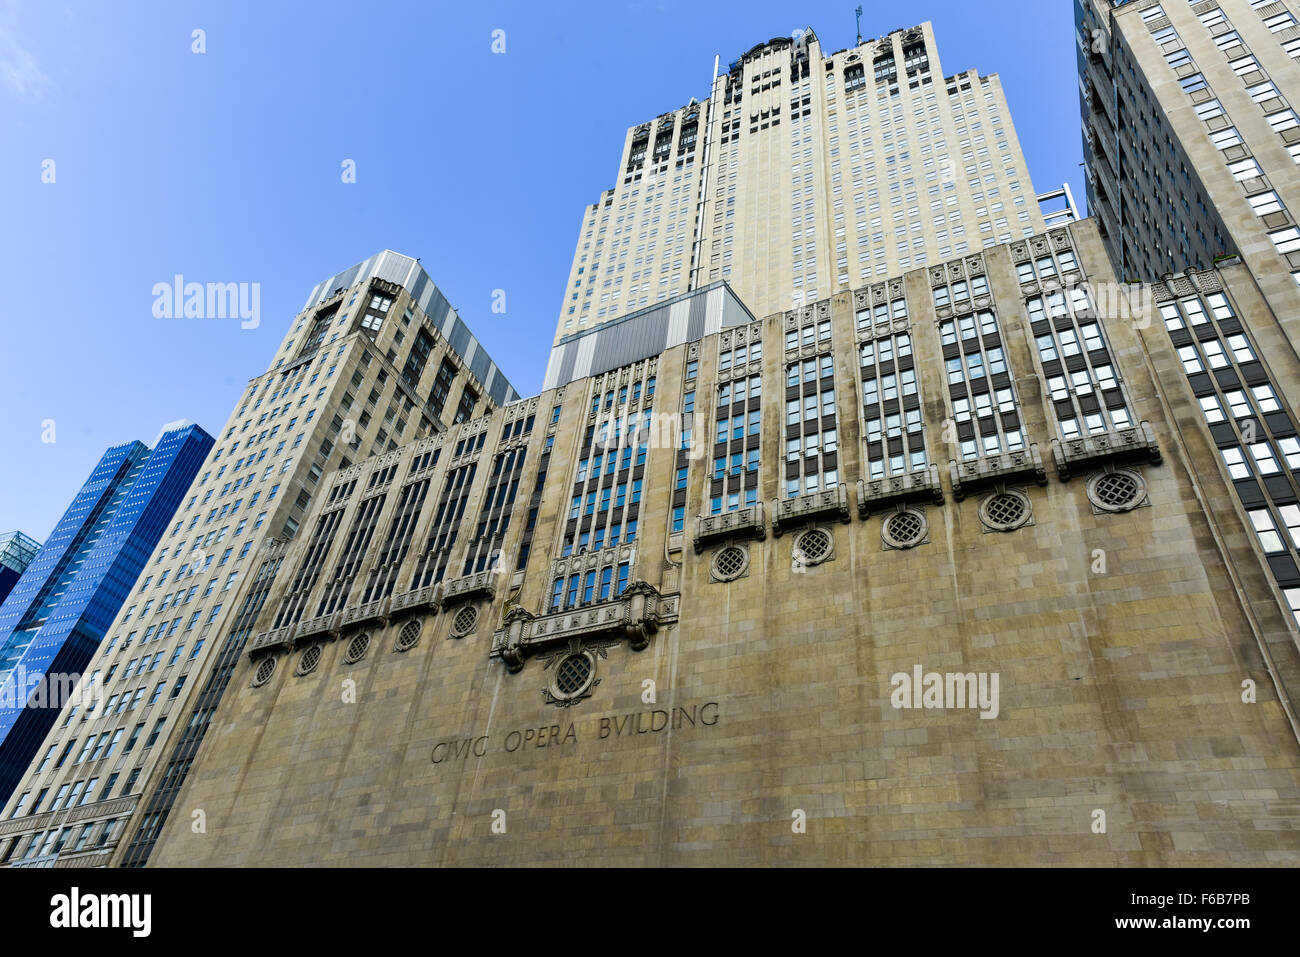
column 1117, row 491
column 408, row 637
column 357, row 649
column 573, row 674
column 905, row 529
column 813, row 546
column 730, row 563
column 309, row 660
column 265, row 669
column 1005, row 511
column 464, row 621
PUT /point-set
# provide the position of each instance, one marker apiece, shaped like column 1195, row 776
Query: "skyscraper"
column 376, row 357
column 16, row 553
column 940, row 567
column 1192, row 145
column 60, row 609
column 1190, row 137
column 951, row 565
column 804, row 174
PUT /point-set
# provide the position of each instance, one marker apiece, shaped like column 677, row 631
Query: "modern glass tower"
column 53, row 620
column 16, row 553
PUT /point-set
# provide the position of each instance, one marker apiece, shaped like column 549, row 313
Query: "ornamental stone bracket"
column 877, row 494
column 469, row 587
column 430, row 596
column 271, row 640
column 744, row 521
column 364, row 614
column 805, row 508
column 1118, row 445
column 996, row 469
column 323, row 626
column 635, row 616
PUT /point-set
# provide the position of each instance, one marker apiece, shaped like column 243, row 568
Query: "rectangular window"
column 1224, row 138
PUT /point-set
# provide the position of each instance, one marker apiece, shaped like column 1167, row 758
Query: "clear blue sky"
column 225, row 167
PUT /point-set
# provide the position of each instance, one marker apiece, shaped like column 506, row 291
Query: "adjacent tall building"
column 376, row 358
column 1190, row 134
column 1192, row 141
column 60, row 609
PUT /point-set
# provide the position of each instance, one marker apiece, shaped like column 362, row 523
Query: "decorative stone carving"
column 271, row 640
column 1117, row 445
column 363, row 614
column 740, row 523
column 430, row 596
column 635, row 616
column 563, row 567
column 992, row 469
column 878, row 494
column 311, row 629
column 468, row 587
column 804, row 508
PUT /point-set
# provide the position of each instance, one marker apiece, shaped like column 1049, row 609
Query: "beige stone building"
column 804, row 174
column 376, row 358
column 573, row 646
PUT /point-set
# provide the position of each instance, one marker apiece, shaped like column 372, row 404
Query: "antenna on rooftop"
column 858, row 15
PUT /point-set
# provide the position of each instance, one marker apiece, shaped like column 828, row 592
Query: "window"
column 1266, row 530
column 1245, row 169
column 1243, row 65
column 1264, row 203
column 1224, row 138
column 1283, row 120
column 1262, row 91
column 1265, row 461
column 1235, row 461
column 1279, row 21
column 1286, row 240
column 1209, row 109
column 1211, row 408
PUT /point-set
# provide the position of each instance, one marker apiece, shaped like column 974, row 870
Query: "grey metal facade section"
column 648, row 332
column 410, row 275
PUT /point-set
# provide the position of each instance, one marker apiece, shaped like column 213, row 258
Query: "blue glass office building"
column 58, row 611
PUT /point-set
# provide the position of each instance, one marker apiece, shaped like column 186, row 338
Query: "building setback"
column 60, row 609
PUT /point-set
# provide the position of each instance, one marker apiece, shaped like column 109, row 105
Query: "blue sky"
column 225, row 167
